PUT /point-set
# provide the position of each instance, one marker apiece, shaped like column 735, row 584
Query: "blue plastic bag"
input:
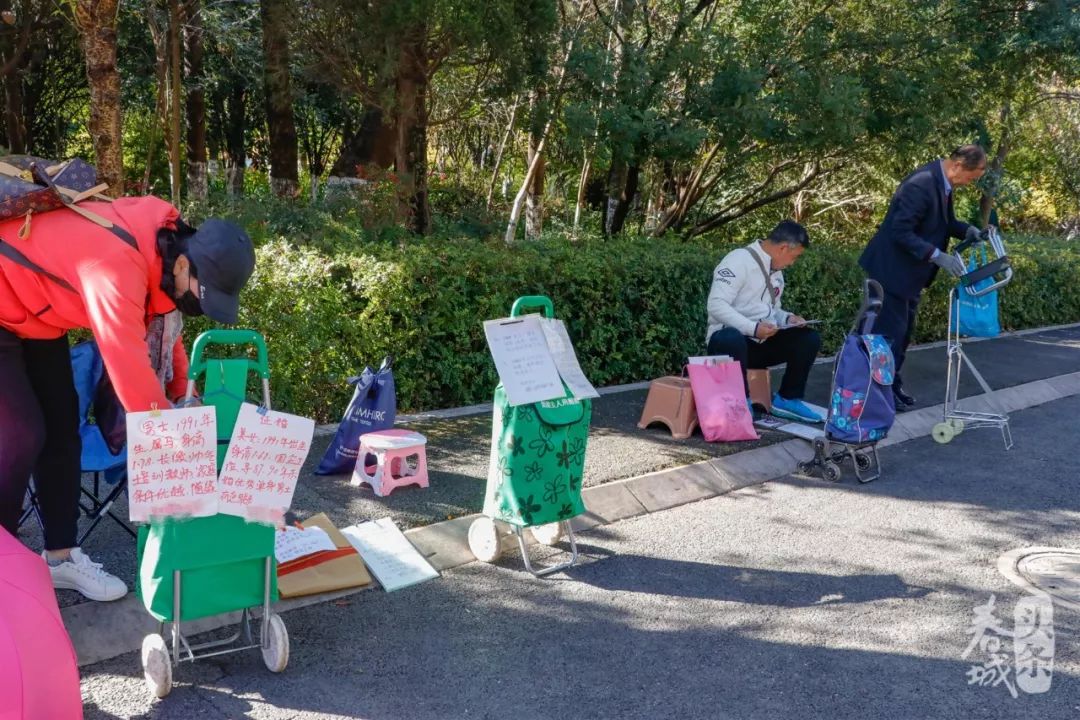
column 978, row 316
column 373, row 407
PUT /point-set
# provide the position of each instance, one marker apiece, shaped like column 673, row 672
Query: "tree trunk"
column 96, row 21
column 534, row 200
column 176, row 88
column 619, row 205
column 499, row 154
column 197, row 179
column 411, row 146
column 235, row 148
column 14, row 114
column 989, row 193
column 370, row 144
column 281, row 125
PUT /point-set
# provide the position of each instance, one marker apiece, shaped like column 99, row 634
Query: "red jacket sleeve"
column 114, row 293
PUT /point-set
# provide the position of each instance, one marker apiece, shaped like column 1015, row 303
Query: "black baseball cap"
column 224, row 259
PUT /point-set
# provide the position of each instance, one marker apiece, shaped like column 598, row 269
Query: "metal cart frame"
column 954, row 419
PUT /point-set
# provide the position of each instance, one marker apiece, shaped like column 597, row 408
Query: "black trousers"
column 39, row 435
column 896, row 322
column 798, row 347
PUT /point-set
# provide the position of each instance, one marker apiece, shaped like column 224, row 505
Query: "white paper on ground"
column 389, row 555
column 566, row 362
column 807, row 432
column 293, row 542
column 522, row 359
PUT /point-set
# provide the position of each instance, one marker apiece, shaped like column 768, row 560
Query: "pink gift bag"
column 720, row 398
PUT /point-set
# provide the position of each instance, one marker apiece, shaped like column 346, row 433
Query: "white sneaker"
column 82, row 574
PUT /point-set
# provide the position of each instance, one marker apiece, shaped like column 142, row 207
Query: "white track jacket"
column 739, row 296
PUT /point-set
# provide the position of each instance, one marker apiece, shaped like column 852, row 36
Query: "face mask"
column 188, row 304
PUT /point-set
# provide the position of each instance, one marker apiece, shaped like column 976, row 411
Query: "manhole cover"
column 1054, row 571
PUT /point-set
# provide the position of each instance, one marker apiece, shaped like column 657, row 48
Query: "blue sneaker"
column 794, row 410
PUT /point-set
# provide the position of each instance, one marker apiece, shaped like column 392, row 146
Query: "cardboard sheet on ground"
column 389, row 555
column 172, row 463
column 259, row 472
column 324, row 571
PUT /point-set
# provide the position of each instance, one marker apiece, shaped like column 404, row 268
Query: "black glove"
column 974, row 235
column 950, row 263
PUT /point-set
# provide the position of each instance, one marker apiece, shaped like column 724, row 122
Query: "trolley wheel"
column 943, row 432
column 157, row 665
column 863, row 461
column 484, row 540
column 548, row 534
column 957, row 426
column 275, row 650
column 830, row 471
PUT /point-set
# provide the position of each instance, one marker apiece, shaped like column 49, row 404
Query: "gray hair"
column 970, row 157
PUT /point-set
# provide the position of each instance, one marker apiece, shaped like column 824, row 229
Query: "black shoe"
column 903, row 400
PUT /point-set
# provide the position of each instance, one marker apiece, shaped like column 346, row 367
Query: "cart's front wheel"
column 549, row 534
column 157, row 666
column 863, row 461
column 484, row 540
column 957, row 426
column 830, row 471
column 275, row 647
column 943, row 432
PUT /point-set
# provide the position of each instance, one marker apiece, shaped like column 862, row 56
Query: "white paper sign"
column 172, row 463
column 293, row 542
column 264, row 459
column 522, row 359
column 566, row 362
column 389, row 555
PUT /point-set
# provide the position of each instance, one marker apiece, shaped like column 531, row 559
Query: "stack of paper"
column 389, row 555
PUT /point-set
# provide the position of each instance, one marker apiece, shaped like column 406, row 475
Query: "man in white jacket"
column 747, row 322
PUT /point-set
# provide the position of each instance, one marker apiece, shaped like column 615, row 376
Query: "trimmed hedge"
column 634, row 307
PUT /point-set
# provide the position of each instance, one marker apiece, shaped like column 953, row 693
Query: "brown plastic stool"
column 671, row 402
column 760, row 388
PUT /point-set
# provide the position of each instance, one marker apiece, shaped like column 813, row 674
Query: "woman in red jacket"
column 125, row 284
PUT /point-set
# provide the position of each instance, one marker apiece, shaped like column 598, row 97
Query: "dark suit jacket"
column 919, row 220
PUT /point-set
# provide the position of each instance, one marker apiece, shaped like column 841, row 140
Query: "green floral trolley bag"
column 537, row 463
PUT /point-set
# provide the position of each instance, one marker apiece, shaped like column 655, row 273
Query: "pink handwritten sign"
column 259, row 473
column 172, row 463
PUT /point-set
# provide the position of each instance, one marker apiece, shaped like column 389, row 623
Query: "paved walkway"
column 458, row 447
column 796, row 599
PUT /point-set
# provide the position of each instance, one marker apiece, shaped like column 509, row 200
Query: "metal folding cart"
column 534, row 476
column 198, row 567
column 955, row 420
column 830, row 452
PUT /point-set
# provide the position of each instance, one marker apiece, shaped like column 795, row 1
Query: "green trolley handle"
column 229, row 337
column 529, row 302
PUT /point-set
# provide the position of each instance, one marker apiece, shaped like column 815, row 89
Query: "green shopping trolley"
column 198, row 567
column 535, row 471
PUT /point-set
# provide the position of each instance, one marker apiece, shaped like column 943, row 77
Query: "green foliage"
column 634, row 306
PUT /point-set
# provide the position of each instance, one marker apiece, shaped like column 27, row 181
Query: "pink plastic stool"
column 391, row 449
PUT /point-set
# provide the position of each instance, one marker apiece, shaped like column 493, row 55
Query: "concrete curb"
column 100, row 631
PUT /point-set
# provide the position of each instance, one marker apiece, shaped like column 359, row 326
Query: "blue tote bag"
column 373, row 407
column 978, row 316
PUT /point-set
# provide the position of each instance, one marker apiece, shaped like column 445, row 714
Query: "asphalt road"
column 794, row 599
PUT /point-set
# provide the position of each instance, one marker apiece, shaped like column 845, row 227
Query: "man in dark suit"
column 912, row 243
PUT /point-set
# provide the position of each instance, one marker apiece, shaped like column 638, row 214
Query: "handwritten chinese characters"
column 172, row 463
column 260, row 469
